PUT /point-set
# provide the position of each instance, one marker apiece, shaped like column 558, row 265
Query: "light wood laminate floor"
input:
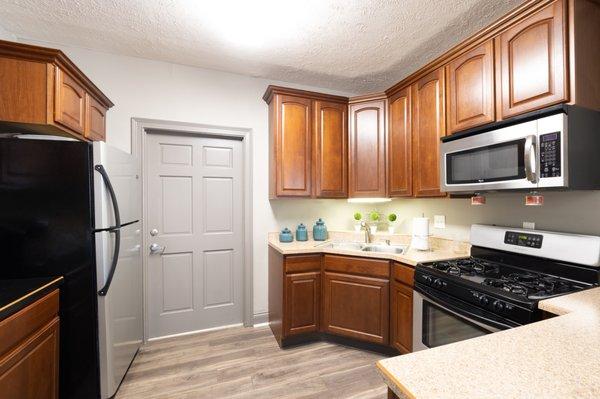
column 247, row 363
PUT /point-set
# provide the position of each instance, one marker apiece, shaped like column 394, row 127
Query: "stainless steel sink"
column 355, row 246
column 390, row 249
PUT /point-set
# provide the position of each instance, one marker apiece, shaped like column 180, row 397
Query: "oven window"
column 504, row 161
column 441, row 327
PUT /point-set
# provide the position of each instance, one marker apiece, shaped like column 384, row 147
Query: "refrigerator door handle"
column 116, row 229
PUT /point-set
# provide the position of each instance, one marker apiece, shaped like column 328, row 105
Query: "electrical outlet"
column 529, row 225
column 439, row 221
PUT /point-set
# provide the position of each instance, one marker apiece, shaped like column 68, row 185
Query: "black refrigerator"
column 73, row 209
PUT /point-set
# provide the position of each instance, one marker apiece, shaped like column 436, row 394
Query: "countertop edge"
column 30, row 297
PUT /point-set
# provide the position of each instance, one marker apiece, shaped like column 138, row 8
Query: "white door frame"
column 139, row 132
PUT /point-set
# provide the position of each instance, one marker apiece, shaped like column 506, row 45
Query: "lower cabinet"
column 302, row 302
column 29, row 350
column 356, row 307
column 401, row 307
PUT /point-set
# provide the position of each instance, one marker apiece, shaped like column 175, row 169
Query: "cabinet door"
column 367, row 149
column 399, row 166
column 330, row 150
column 69, row 102
column 302, row 300
column 533, row 62
column 95, row 120
column 402, row 317
column 293, row 146
column 428, row 127
column 30, row 371
column 471, row 88
column 356, row 307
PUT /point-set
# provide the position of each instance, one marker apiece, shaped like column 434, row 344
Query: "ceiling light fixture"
column 368, row 200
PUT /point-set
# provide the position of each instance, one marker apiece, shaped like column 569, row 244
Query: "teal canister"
column 320, row 230
column 286, row 235
column 301, row 233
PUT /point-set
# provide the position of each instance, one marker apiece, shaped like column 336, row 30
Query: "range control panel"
column 523, row 239
column 550, row 155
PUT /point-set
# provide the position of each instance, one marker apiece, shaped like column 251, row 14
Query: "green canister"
column 320, row 230
column 301, row 233
column 286, row 235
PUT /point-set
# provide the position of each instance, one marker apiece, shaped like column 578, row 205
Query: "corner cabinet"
column 533, row 68
column 42, row 91
column 368, row 147
column 429, row 127
column 307, row 144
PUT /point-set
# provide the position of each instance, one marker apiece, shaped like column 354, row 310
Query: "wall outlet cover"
column 439, row 221
column 529, row 225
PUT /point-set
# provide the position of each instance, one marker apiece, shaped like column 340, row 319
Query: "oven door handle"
column 452, row 305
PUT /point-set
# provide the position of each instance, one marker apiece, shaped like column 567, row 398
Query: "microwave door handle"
column 530, row 159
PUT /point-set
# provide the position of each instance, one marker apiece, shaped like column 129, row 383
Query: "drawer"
column 20, row 325
column 302, row 263
column 403, row 273
column 352, row 265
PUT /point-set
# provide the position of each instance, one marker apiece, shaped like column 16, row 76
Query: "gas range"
column 509, row 272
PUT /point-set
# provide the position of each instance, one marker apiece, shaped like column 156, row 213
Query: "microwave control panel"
column 550, row 155
column 523, row 239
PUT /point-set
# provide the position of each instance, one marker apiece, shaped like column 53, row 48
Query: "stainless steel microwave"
column 555, row 148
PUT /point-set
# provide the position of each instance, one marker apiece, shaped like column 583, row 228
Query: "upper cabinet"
column 367, row 147
column 533, row 70
column 330, row 149
column 429, row 127
column 399, row 157
column 470, row 88
column 42, row 91
column 308, row 144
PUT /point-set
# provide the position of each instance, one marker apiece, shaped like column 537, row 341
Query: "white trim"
column 261, row 318
column 184, row 334
column 138, row 140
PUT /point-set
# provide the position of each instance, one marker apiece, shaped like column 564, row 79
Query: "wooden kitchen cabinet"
column 470, row 88
column 428, row 127
column 330, row 149
column 399, row 146
column 367, row 146
column 308, row 144
column 302, row 303
column 401, row 307
column 42, row 91
column 29, row 351
column 533, row 63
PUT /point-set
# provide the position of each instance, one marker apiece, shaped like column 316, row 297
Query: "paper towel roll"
column 420, row 239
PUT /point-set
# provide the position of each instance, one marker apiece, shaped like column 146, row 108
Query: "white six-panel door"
column 194, row 204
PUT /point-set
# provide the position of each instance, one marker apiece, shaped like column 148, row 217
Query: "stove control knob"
column 438, row 283
column 499, row 305
column 483, row 300
column 427, row 279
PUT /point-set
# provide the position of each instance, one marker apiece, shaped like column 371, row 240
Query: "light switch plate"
column 529, row 225
column 439, row 221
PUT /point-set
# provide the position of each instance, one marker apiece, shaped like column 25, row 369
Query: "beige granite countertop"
column 441, row 249
column 553, row 358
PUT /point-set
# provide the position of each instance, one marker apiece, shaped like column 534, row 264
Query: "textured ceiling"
column 356, row 46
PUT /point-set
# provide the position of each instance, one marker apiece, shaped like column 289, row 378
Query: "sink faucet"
column 367, row 228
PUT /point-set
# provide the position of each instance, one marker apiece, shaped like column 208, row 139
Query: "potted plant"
column 374, row 216
column 357, row 219
column 392, row 217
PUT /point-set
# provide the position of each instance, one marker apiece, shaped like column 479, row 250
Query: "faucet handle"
column 388, row 242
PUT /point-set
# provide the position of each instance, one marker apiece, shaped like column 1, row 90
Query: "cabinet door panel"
column 69, row 102
column 95, row 120
column 293, row 146
column 302, row 300
column 356, row 307
column 471, row 88
column 533, row 70
column 331, row 150
column 367, row 149
column 428, row 128
column 399, row 169
column 402, row 317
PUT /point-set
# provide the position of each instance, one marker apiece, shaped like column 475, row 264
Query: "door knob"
column 153, row 232
column 156, row 249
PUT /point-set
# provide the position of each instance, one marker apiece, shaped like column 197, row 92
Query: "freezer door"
column 120, row 323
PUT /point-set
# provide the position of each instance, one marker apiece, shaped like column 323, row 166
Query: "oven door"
column 500, row 159
column 439, row 320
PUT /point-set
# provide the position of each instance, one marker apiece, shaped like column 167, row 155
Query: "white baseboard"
column 261, row 318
